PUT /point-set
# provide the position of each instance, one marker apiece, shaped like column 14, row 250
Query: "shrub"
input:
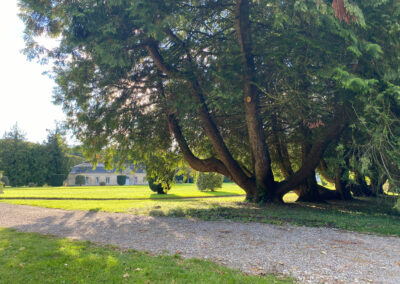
column 80, row 180
column 5, row 180
column 121, row 180
column 56, row 180
column 102, row 183
column 156, row 187
column 209, row 181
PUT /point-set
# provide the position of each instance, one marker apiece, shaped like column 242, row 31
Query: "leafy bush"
column 80, row 180
column 157, row 187
column 57, row 180
column 121, row 180
column 5, row 180
column 209, row 181
column 102, row 183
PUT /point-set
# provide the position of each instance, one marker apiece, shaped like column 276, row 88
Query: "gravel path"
column 314, row 255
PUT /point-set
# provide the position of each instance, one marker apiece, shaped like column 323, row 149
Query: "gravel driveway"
column 312, row 255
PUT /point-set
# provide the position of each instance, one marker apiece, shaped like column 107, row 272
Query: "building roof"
column 87, row 168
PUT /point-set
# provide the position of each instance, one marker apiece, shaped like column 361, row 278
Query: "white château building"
column 99, row 175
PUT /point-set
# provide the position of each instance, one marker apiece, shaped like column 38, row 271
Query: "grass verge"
column 33, row 258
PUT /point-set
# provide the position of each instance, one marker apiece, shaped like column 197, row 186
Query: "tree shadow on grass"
column 164, row 196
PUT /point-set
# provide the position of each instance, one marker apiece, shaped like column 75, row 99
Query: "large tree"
column 241, row 87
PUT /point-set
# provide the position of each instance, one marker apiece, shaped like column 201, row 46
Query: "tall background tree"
column 26, row 163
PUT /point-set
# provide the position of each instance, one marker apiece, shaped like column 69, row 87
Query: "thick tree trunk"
column 309, row 190
column 282, row 154
column 342, row 191
column 259, row 150
column 314, row 156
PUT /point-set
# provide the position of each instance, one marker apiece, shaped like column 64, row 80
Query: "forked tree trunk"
column 259, row 185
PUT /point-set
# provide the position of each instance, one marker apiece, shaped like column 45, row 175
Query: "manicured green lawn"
column 135, row 191
column 32, row 258
column 369, row 215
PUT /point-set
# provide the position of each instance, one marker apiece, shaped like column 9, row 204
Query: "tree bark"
column 315, row 155
column 342, row 191
column 282, row 154
column 209, row 126
column 259, row 150
column 323, row 170
column 308, row 190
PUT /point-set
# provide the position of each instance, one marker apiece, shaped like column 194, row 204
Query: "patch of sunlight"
column 111, row 261
column 290, row 197
column 71, row 250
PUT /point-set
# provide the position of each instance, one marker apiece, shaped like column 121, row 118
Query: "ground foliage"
column 262, row 92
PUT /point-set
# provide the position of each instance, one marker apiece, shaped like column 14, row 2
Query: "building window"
column 87, row 180
column 97, row 180
column 107, row 180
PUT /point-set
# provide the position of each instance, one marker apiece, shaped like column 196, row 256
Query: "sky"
column 25, row 94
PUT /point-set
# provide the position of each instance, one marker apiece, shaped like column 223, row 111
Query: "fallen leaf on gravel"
column 281, row 263
column 178, row 252
column 126, row 275
column 398, row 263
column 324, row 252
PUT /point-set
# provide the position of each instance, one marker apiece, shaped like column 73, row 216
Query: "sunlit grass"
column 32, row 258
column 134, row 191
column 373, row 215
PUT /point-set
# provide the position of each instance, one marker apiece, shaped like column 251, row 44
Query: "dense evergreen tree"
column 24, row 162
column 258, row 91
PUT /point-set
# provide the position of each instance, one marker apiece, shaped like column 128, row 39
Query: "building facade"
column 100, row 175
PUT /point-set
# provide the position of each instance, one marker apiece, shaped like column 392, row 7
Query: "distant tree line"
column 36, row 164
